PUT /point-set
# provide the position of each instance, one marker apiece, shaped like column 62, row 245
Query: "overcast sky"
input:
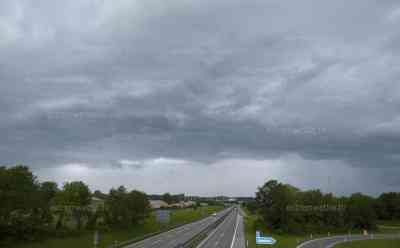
column 203, row 96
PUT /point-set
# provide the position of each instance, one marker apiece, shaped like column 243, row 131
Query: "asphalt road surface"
column 240, row 239
column 229, row 234
column 172, row 238
column 330, row 242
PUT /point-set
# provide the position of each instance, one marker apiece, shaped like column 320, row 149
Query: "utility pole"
column 96, row 239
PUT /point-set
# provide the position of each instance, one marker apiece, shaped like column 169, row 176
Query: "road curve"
column 330, row 242
column 179, row 235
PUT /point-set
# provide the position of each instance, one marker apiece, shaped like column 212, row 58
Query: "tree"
column 388, row 206
column 49, row 190
column 313, row 199
column 127, row 208
column 251, row 206
column 139, row 206
column 117, row 205
column 274, row 199
column 21, row 207
column 287, row 209
column 76, row 196
column 167, row 197
column 360, row 212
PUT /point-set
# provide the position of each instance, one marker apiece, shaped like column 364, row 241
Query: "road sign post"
column 163, row 216
column 96, row 239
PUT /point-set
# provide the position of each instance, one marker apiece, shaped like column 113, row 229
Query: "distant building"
column 192, row 198
column 157, row 204
column 189, row 204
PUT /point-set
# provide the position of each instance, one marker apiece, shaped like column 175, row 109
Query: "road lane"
column 229, row 234
column 240, row 239
column 172, row 238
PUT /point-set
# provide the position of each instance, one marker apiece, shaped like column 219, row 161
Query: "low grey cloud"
column 118, row 84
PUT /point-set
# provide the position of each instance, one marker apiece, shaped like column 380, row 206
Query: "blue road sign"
column 260, row 240
column 163, row 215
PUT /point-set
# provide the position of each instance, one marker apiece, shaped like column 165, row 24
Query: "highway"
column 240, row 241
column 179, row 235
column 330, row 242
column 229, row 234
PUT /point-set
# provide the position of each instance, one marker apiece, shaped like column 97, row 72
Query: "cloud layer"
column 191, row 84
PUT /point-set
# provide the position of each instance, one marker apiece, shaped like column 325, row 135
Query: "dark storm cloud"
column 202, row 81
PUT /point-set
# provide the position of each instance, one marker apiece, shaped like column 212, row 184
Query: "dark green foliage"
column 286, row 209
column 76, row 197
column 24, row 209
column 30, row 210
column 49, row 190
column 170, row 199
column 74, row 194
column 251, row 206
column 360, row 212
column 274, row 199
column 388, row 206
column 126, row 208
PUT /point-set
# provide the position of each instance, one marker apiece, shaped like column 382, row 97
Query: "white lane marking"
column 156, row 242
column 187, row 227
column 234, row 234
column 314, row 240
column 333, row 238
column 213, row 232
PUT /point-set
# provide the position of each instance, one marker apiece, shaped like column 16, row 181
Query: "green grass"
column 371, row 244
column 390, row 223
column 291, row 241
column 188, row 215
column 283, row 241
column 388, row 229
column 389, row 226
column 252, row 223
column 149, row 226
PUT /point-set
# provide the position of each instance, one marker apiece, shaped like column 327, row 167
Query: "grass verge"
column 85, row 239
column 283, row 241
column 291, row 241
column 370, row 244
column 389, row 226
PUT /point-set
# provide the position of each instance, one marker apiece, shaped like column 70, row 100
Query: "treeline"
column 169, row 198
column 176, row 198
column 31, row 210
column 285, row 208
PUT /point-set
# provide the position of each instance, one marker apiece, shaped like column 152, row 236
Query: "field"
column 389, row 226
column 291, row 241
column 371, row 244
column 283, row 241
column 86, row 239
